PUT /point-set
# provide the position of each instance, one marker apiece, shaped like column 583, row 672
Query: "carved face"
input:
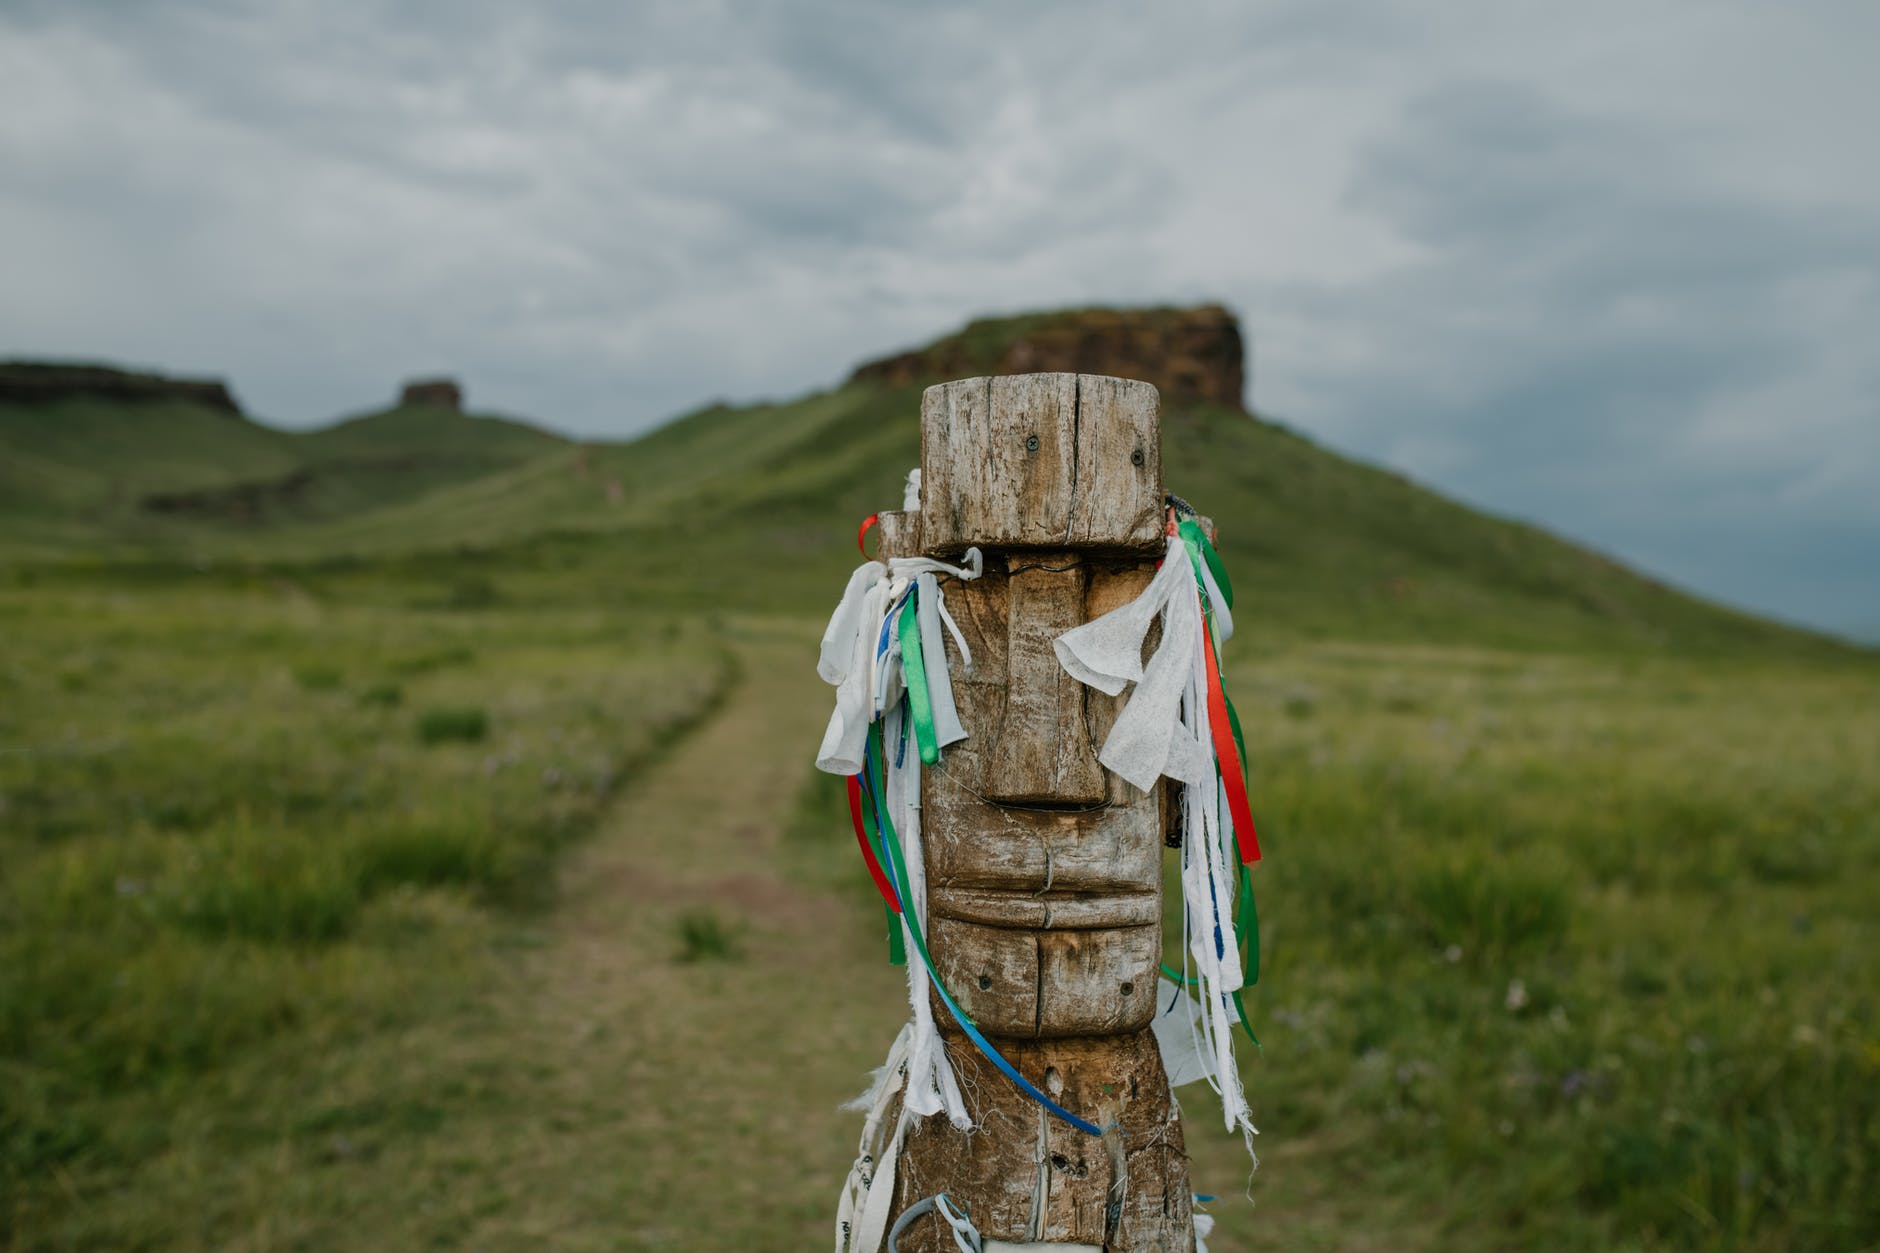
column 1043, row 869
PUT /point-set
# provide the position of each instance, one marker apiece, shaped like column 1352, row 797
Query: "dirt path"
column 691, row 1105
column 638, row 1101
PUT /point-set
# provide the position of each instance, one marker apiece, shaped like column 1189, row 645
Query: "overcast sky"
column 1610, row 267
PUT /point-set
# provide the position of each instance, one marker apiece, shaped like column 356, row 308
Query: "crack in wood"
column 1036, row 854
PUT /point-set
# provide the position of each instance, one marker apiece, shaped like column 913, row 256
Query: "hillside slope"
column 755, row 506
column 118, row 461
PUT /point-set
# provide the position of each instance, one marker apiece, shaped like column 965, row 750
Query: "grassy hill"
column 1322, row 544
column 420, row 811
column 168, row 474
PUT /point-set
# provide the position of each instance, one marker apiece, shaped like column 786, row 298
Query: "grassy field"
column 1565, row 950
column 1561, row 951
column 241, row 821
column 413, row 844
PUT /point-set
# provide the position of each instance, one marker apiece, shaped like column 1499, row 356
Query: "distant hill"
column 755, row 506
column 94, row 456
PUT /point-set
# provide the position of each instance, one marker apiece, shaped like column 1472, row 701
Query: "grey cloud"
column 1582, row 310
column 1522, row 254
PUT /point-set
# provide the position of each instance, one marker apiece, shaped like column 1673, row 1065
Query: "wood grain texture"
column 1028, row 1176
column 1040, row 461
column 1044, row 871
column 1097, row 982
column 1044, row 984
column 1116, row 494
column 1041, row 752
column 899, row 534
column 1045, row 911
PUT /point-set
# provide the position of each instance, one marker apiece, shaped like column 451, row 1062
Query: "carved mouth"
column 1045, row 910
column 1048, row 964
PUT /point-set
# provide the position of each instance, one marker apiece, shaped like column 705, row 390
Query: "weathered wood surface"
column 1085, row 854
column 1044, row 869
column 1042, row 751
column 1041, row 461
column 1027, row 1176
column 899, row 534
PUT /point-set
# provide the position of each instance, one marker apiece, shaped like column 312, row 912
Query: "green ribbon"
column 911, row 916
column 1233, row 721
column 1202, row 549
column 919, row 700
column 897, row 947
column 1247, row 927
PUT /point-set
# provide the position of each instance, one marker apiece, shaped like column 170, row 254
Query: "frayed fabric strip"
column 946, row 715
column 1150, row 738
column 865, row 677
column 838, row 641
column 841, row 750
column 1175, row 723
column 862, row 1211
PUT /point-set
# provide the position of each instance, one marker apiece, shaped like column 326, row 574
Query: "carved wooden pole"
column 1043, row 868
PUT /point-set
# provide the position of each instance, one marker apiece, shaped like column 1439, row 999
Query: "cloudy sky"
column 1610, row 267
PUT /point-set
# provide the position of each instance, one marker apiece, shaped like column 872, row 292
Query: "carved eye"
column 1128, row 987
column 985, row 981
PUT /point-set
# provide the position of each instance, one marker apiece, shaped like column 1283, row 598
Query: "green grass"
column 1567, row 902
column 171, row 476
column 219, row 836
column 1561, row 950
column 766, row 495
column 1568, row 951
column 705, row 936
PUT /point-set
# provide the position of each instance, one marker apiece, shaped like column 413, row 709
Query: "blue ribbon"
column 890, row 842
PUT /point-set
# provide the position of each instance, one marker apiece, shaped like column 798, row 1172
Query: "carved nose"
column 1041, row 752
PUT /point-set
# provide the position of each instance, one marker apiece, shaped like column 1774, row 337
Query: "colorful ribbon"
column 881, row 846
column 868, row 854
column 914, row 672
column 1221, row 726
column 890, row 846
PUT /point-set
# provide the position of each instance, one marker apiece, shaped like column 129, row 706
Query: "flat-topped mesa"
column 432, row 393
column 45, row 382
column 1193, row 355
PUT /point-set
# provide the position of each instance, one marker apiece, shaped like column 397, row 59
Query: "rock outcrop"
column 1194, row 356
column 438, row 393
column 41, row 382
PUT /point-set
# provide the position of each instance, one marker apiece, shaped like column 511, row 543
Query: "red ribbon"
column 1232, row 773
column 862, row 533
column 868, row 854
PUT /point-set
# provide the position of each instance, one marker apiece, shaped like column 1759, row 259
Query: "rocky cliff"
column 38, row 382
column 437, row 393
column 1193, row 355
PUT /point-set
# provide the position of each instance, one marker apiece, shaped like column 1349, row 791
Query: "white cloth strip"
column 974, row 567
column 932, row 1085
column 841, row 750
column 933, row 650
column 959, row 640
column 1164, row 729
column 862, row 1210
column 838, row 641
column 1175, row 1035
column 1106, row 653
